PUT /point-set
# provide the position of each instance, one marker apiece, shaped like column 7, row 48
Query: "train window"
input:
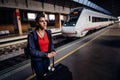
column 73, row 17
column 99, row 19
column 93, row 19
column 111, row 19
column 70, row 22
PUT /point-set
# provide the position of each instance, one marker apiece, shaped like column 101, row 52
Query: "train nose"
column 69, row 30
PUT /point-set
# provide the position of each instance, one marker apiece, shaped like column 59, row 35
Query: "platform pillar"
column 57, row 20
column 19, row 21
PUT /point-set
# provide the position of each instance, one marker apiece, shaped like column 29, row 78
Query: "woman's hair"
column 39, row 15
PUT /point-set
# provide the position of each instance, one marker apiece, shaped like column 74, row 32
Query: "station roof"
column 111, row 5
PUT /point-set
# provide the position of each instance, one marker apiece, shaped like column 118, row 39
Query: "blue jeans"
column 40, row 67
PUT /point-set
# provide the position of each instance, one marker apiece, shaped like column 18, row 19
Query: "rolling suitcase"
column 60, row 72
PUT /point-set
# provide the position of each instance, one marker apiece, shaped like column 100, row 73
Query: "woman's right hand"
column 52, row 54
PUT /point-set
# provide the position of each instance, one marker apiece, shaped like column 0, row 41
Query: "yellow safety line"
column 60, row 59
column 77, row 49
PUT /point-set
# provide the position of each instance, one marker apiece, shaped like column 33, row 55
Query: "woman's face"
column 42, row 23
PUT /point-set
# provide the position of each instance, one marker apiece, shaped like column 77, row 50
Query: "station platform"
column 93, row 57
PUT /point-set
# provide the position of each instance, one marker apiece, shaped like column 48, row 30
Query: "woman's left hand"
column 54, row 53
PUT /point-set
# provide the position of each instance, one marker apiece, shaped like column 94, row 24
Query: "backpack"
column 27, row 51
column 27, row 55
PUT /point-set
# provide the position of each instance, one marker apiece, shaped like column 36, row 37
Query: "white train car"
column 81, row 20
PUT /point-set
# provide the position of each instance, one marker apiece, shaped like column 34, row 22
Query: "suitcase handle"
column 53, row 65
column 52, row 68
column 53, row 62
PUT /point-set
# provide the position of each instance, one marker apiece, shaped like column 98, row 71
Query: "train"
column 81, row 20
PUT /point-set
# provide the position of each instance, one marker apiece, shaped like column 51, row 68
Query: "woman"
column 41, row 47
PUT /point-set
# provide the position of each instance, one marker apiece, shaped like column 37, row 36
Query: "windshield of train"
column 73, row 17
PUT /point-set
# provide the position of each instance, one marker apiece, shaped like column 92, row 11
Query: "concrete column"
column 19, row 21
column 57, row 20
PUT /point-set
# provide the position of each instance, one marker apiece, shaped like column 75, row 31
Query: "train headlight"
column 64, row 24
column 73, row 24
